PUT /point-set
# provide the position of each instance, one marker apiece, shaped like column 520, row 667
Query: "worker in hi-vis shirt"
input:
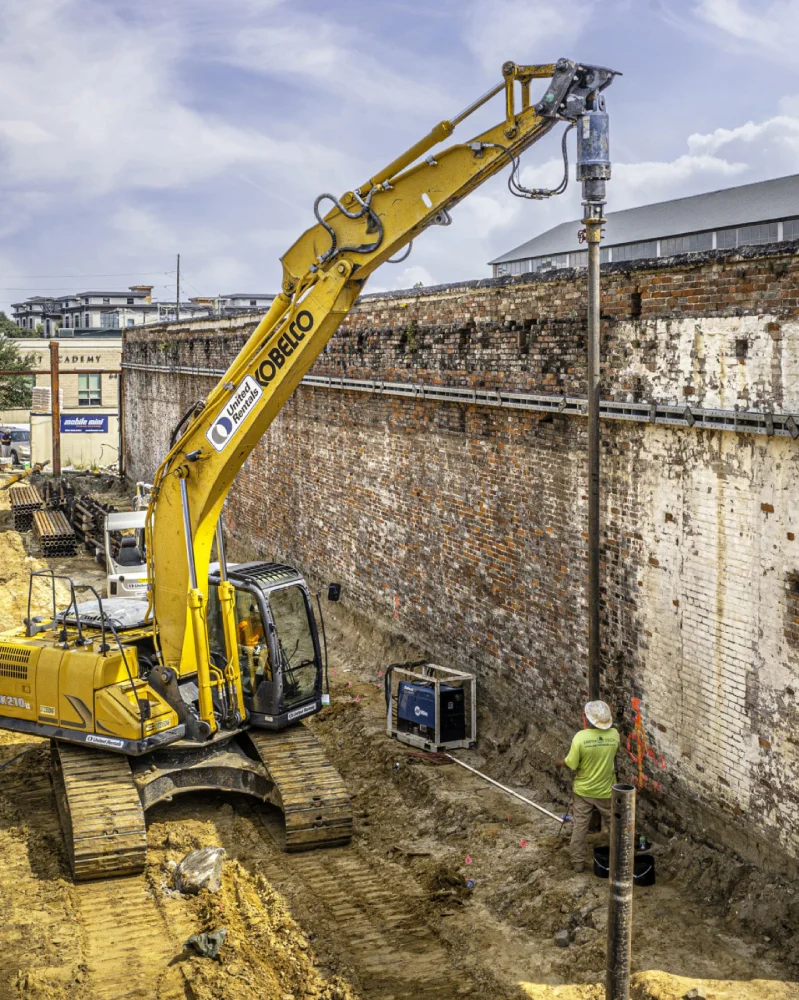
column 592, row 758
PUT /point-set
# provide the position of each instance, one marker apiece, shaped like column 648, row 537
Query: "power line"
column 117, row 274
column 58, row 288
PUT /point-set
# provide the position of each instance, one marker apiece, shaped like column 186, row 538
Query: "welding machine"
column 416, row 710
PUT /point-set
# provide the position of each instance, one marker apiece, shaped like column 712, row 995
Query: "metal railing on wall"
column 669, row 415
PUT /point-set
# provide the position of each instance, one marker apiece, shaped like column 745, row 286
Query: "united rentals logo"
column 241, row 403
column 105, row 741
column 286, row 345
column 301, row 711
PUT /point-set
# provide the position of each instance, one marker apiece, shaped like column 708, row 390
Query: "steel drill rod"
column 529, row 802
column 620, row 903
column 593, row 233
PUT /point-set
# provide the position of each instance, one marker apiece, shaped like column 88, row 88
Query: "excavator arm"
column 324, row 272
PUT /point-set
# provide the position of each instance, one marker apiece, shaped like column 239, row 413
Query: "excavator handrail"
column 105, row 623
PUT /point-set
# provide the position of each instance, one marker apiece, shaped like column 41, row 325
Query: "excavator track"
column 101, row 813
column 307, row 788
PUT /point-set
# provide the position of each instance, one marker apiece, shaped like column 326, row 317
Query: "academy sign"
column 231, row 418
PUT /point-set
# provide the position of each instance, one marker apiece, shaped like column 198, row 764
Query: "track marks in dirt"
column 369, row 918
column 128, row 948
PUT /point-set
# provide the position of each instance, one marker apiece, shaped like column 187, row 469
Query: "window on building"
column 85, row 302
column 790, row 229
column 519, row 267
column 500, row 270
column 89, row 391
column 110, row 320
column 106, row 301
column 88, row 320
column 695, row 243
column 130, row 300
column 131, row 321
column 635, row 251
column 748, row 235
column 578, row 259
column 553, row 260
column 253, row 302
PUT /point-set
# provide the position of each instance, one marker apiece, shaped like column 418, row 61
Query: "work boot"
column 578, row 866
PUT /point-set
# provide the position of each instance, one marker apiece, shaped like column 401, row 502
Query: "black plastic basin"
column 643, row 871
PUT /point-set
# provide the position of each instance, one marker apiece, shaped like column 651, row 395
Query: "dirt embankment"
column 391, row 916
column 16, row 567
column 442, row 826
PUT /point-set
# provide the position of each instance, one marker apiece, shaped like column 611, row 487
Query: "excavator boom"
column 324, row 272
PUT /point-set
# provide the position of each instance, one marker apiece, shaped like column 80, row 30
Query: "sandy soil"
column 389, row 917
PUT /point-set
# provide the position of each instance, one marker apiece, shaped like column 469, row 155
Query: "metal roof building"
column 764, row 212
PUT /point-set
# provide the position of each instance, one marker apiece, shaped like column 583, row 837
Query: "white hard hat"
column 598, row 714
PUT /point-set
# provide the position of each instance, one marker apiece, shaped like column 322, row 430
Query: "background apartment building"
column 101, row 314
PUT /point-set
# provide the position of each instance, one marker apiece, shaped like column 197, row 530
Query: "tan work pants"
column 581, row 813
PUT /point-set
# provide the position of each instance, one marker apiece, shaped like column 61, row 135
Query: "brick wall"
column 463, row 526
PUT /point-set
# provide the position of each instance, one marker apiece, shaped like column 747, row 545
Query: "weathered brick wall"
column 463, row 526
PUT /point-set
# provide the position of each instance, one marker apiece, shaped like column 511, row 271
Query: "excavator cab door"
column 294, row 650
column 278, row 646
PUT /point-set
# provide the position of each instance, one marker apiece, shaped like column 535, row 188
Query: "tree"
column 15, row 390
column 8, row 328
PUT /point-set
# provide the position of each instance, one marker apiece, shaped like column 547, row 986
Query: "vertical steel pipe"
column 593, row 227
column 593, row 170
column 620, row 903
column 55, row 407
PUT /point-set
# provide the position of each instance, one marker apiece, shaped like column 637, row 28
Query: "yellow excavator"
column 205, row 684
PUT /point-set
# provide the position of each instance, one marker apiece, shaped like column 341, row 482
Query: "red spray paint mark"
column 468, row 859
column 639, row 750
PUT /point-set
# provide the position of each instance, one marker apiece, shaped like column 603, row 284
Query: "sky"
column 133, row 130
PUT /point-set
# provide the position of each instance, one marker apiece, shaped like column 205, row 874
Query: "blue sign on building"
column 80, row 423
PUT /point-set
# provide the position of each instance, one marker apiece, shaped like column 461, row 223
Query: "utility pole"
column 593, row 169
column 177, row 293
column 55, row 408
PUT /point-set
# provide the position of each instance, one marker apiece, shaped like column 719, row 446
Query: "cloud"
column 780, row 127
column 316, row 55
column 96, row 105
column 643, row 182
column 484, row 213
column 769, row 27
column 497, row 30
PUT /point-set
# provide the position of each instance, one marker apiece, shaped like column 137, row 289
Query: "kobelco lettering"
column 287, row 344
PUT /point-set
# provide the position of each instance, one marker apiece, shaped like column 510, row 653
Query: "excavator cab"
column 278, row 644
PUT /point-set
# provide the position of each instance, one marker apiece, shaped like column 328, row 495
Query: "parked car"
column 20, row 451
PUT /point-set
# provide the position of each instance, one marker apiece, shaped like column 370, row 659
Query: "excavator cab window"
column 294, row 642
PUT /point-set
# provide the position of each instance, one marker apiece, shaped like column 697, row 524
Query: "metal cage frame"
column 438, row 675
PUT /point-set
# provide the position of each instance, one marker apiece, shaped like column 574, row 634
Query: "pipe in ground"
column 620, row 904
column 529, row 802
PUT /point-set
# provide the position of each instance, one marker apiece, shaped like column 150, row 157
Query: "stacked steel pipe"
column 55, row 533
column 25, row 501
